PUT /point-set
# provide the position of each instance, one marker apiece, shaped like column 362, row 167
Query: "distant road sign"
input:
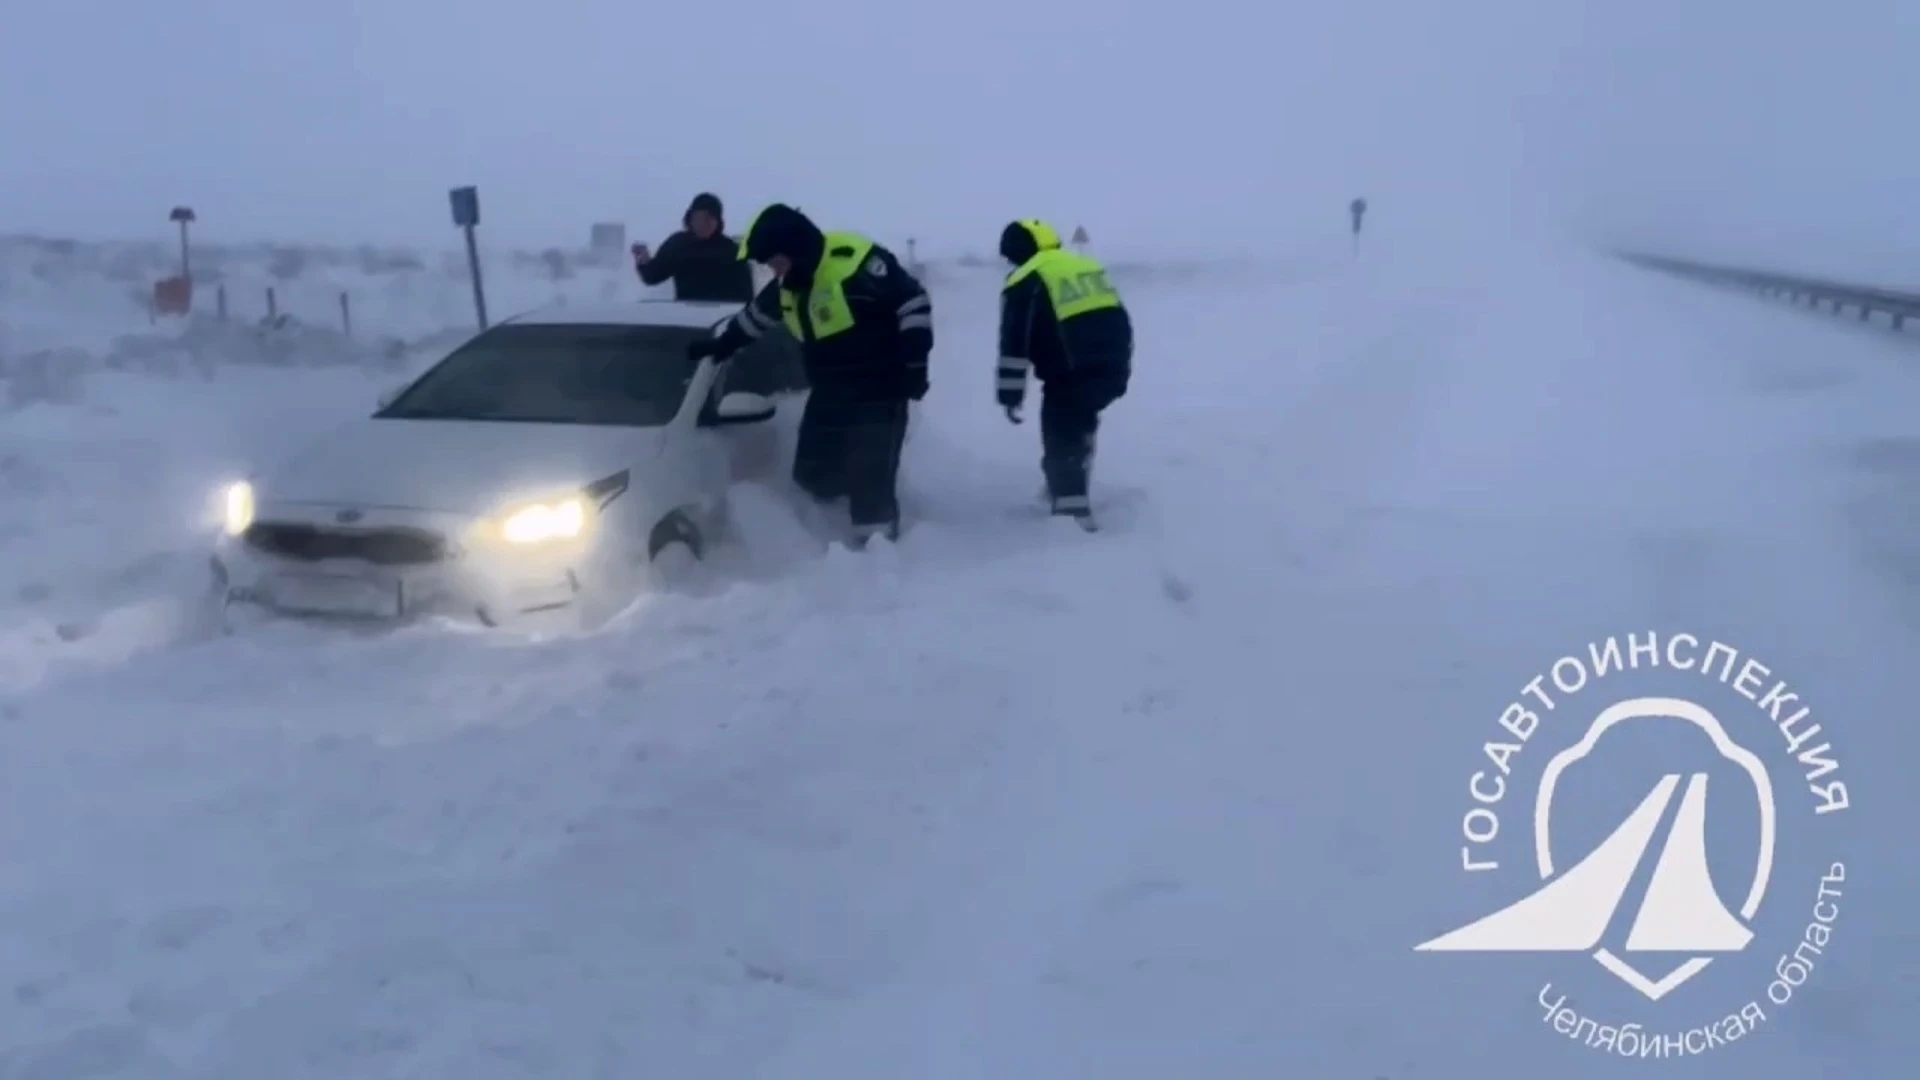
column 466, row 206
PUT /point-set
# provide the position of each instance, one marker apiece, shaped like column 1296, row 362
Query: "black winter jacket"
column 1095, row 346
column 884, row 357
column 707, row 269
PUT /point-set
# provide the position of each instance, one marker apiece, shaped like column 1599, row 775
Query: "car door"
column 706, row 452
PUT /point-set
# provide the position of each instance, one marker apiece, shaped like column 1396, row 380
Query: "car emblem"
column 348, row 517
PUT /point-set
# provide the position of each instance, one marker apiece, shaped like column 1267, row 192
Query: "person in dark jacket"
column 700, row 259
column 1061, row 319
column 704, row 263
column 865, row 327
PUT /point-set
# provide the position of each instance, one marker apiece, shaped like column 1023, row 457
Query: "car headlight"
column 565, row 519
column 560, row 519
column 238, row 509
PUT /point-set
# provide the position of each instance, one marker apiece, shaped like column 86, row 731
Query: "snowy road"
column 1006, row 801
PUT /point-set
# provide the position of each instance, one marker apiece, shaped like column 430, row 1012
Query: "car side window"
column 768, row 365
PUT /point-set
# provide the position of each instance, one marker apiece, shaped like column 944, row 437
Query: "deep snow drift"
column 1004, row 800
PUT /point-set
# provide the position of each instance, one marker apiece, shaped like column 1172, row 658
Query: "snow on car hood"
column 457, row 466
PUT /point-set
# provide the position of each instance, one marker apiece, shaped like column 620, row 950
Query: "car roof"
column 693, row 314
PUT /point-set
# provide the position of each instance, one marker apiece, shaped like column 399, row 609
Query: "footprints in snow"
column 162, row 998
column 1137, row 892
column 178, row 928
column 1172, row 587
column 1139, row 897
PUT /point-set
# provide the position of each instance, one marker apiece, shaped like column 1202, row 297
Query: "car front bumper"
column 490, row 590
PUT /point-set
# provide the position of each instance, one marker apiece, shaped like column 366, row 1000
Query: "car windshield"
column 603, row 375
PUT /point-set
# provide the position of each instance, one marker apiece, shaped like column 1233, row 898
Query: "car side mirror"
column 739, row 408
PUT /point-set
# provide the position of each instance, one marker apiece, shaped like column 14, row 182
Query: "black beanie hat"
column 1017, row 244
column 708, row 202
column 784, row 230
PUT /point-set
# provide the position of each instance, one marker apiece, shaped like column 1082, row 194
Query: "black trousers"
column 849, row 447
column 1069, row 419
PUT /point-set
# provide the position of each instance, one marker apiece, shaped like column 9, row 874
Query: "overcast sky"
column 1165, row 126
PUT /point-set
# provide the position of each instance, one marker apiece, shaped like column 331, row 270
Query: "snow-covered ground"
column 64, row 295
column 1002, row 801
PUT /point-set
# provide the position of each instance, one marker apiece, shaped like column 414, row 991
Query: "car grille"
column 312, row 543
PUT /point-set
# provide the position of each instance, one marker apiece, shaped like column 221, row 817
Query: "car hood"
column 456, row 466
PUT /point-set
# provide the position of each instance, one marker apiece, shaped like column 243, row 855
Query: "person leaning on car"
column 701, row 260
column 865, row 327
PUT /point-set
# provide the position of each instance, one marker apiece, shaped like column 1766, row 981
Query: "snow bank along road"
column 1004, row 800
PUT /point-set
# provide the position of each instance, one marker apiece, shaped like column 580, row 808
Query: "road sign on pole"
column 466, row 206
column 607, row 239
column 174, row 295
column 465, row 202
column 184, row 216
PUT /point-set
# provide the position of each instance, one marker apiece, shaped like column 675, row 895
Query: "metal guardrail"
column 1813, row 292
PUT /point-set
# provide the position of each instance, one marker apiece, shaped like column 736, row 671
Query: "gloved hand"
column 1013, row 413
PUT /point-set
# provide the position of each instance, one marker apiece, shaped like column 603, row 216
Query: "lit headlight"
column 542, row 522
column 238, row 511
column 569, row 517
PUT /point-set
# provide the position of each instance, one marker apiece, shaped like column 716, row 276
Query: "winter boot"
column 864, row 534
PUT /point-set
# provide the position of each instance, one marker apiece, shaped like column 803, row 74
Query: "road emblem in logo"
column 1680, row 911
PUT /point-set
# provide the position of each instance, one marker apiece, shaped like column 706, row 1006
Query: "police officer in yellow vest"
column 865, row 327
column 1062, row 319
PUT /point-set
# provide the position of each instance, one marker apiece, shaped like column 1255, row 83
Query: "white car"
column 555, row 460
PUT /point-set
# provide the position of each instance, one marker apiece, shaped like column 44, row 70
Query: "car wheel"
column 675, row 550
column 231, row 616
